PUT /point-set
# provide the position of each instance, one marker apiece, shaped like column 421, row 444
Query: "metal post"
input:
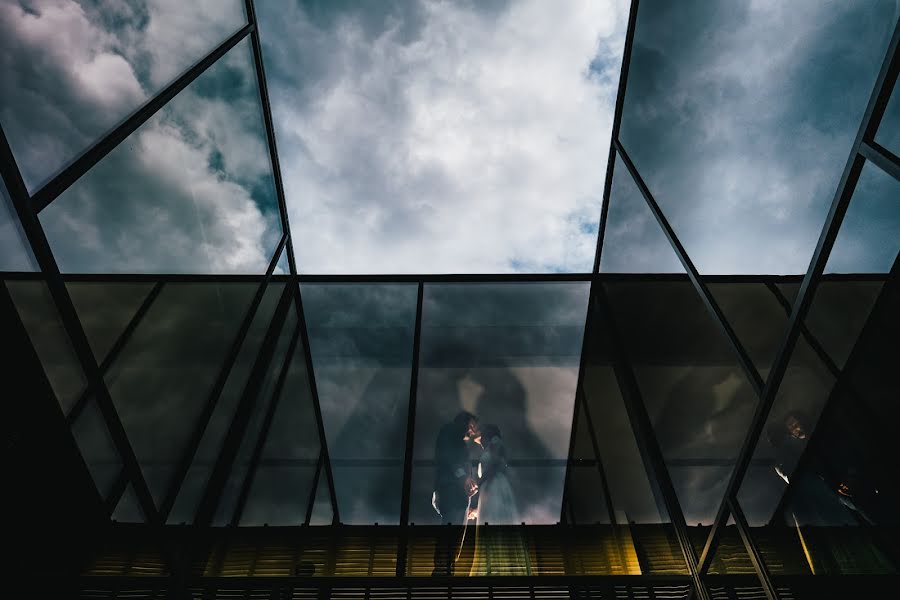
column 402, row 548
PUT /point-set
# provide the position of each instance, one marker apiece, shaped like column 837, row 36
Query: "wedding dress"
column 498, row 550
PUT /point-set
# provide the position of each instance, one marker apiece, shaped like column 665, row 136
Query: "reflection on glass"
column 72, row 70
column 45, row 328
column 160, row 381
column 509, row 354
column 696, row 395
column 97, row 447
column 190, row 191
column 741, row 144
column 214, row 434
column 361, row 339
column 15, row 252
column 128, row 510
column 227, row 510
column 823, row 494
column 283, row 482
column 634, row 242
column 105, row 309
column 869, row 239
column 756, row 316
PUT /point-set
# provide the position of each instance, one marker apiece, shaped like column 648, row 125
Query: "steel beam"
column 886, row 160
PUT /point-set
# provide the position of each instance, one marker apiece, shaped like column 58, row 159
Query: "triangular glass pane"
column 56, row 101
column 696, row 394
column 283, row 267
column 634, row 242
column 51, row 342
column 731, row 556
column 161, row 380
column 888, row 134
column 756, row 316
column 128, row 510
column 322, row 514
column 105, row 309
column 180, row 194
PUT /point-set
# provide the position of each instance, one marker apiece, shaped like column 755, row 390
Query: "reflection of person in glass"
column 498, row 551
column 454, row 484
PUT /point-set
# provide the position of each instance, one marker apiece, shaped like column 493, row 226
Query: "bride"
column 498, row 550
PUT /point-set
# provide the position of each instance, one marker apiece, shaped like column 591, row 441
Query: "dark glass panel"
column 831, row 433
column 45, row 328
column 869, row 239
column 72, row 71
column 322, row 513
column 696, row 395
column 183, row 194
column 105, row 309
column 161, row 380
column 731, row 556
column 361, row 338
column 838, row 313
column 128, row 510
column 740, row 119
column 15, row 252
column 283, row 481
column 220, row 420
column 240, row 468
column 97, row 447
column 508, row 353
column 758, row 319
column 634, row 242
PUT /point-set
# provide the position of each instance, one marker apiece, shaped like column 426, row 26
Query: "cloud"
column 439, row 137
column 740, row 121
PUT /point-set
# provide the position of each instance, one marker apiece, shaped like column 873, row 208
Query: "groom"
column 453, row 484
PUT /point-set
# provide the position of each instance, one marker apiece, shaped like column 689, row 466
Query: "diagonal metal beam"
column 315, row 488
column 264, row 430
column 402, row 549
column 34, row 232
column 187, row 457
column 113, row 353
column 249, row 398
column 712, row 306
column 617, row 122
column 756, row 558
column 650, row 451
column 270, row 128
column 81, row 165
column 872, row 117
column 886, row 160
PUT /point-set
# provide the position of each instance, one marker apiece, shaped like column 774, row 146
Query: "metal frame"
column 27, row 207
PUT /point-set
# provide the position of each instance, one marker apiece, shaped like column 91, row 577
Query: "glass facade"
column 715, row 399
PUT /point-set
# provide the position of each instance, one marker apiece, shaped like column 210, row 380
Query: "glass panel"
column 634, row 242
column 869, row 239
column 105, row 309
column 284, row 478
column 45, row 328
column 757, row 317
column 731, row 556
column 15, row 252
column 741, row 141
column 128, row 510
column 322, row 513
column 161, row 380
column 361, row 338
column 830, row 441
column 97, row 447
column 283, row 267
column 696, row 395
column 888, row 134
column 837, row 314
column 213, row 436
column 241, row 466
column 449, row 167
column 72, row 70
column 508, row 353
column 182, row 194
